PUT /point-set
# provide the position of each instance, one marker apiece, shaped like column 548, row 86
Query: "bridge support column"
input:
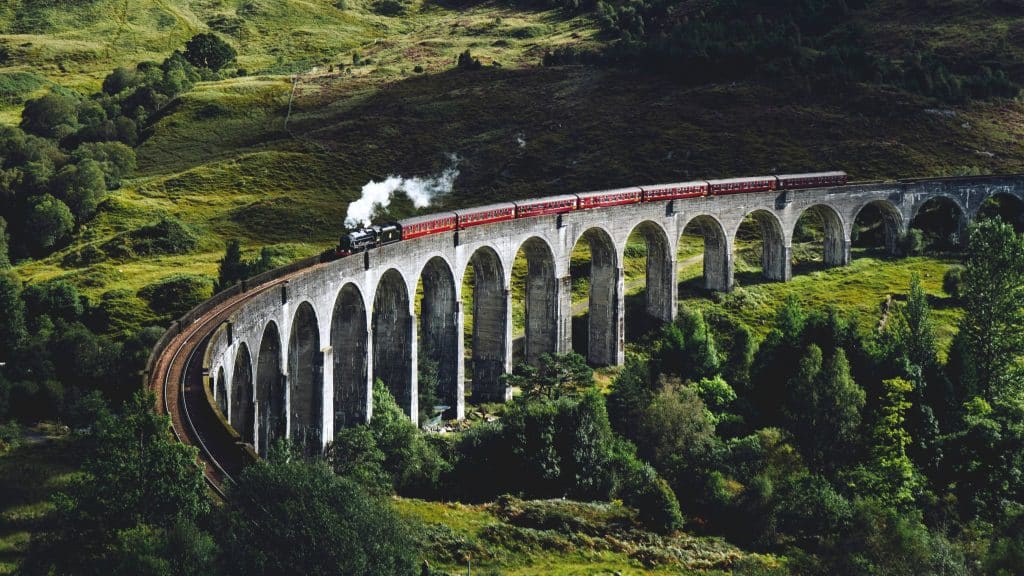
column 414, row 396
column 460, row 365
column 492, row 344
column 776, row 262
column 837, row 252
column 605, row 320
column 718, row 265
column 370, row 376
column 662, row 294
column 327, row 393
column 563, row 315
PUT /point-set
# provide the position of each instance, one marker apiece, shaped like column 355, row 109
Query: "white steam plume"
column 422, row 192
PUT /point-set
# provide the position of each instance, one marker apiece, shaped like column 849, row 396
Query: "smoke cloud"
column 422, row 192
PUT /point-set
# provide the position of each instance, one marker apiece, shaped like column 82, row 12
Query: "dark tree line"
column 811, row 44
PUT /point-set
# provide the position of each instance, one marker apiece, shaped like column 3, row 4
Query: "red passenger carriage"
column 429, row 224
column 479, row 215
column 614, row 197
column 674, row 191
column 741, row 185
column 812, row 180
column 544, row 206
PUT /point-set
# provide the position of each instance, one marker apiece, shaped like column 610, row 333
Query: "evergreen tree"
column 5, row 261
column 12, row 315
column 686, row 349
column 894, row 478
column 823, row 406
column 993, row 295
column 232, row 270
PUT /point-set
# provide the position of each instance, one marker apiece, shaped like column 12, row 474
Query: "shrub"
column 52, row 116
column 386, row 8
column 48, row 223
column 290, row 516
column 467, row 62
column 414, row 465
column 207, row 50
column 640, row 486
column 165, row 236
column 354, row 454
column 177, row 294
column 57, row 299
column 952, row 281
column 912, row 243
column 14, row 86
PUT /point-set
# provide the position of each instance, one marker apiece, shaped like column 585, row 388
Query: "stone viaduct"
column 299, row 360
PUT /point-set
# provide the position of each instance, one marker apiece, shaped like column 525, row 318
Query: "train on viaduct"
column 294, row 352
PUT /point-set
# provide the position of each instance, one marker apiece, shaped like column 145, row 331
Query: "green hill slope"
column 338, row 94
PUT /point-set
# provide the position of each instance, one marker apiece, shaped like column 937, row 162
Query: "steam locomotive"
column 374, row 236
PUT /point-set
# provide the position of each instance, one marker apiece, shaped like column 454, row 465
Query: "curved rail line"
column 177, row 380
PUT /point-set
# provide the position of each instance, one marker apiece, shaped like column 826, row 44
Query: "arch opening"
column 648, row 263
column 349, row 342
column 534, row 301
column 270, row 391
column 942, row 224
column 305, row 381
column 596, row 277
column 703, row 241
column 876, row 228
column 487, row 326
column 437, row 361
column 760, row 249
column 392, row 338
column 242, row 407
column 1005, row 206
column 819, row 240
column 220, row 390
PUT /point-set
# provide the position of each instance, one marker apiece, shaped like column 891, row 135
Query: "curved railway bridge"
column 293, row 352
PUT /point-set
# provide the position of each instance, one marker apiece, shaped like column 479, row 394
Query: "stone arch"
column 717, row 258
column 393, row 337
column 490, row 326
column 270, row 390
column 835, row 245
column 659, row 276
column 305, row 380
column 892, row 222
column 220, row 389
column 439, row 336
column 947, row 229
column 605, row 332
column 540, row 306
column 775, row 264
column 349, row 342
column 1007, row 205
column 241, row 395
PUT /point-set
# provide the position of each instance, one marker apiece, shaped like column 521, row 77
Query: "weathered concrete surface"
column 301, row 360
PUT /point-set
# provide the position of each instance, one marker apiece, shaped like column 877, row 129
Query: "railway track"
column 176, row 378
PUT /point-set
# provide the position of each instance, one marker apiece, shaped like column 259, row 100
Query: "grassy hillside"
column 274, row 157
